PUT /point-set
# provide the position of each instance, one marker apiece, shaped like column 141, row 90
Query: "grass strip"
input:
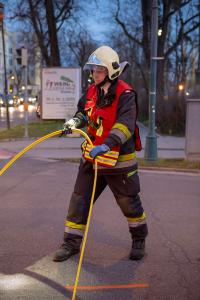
column 37, row 129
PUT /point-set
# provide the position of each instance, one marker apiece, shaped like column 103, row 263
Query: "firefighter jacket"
column 111, row 120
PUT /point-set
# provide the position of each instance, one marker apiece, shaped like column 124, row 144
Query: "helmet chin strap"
column 106, row 79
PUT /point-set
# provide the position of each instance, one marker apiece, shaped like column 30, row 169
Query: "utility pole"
column 199, row 40
column 197, row 79
column 24, row 66
column 151, row 138
column 4, row 60
column 22, row 60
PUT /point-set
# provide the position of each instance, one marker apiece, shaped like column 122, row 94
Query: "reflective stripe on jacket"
column 112, row 123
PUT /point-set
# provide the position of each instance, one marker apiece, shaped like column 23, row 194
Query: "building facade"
column 15, row 72
column 9, row 55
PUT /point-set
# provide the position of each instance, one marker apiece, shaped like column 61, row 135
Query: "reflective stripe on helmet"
column 93, row 59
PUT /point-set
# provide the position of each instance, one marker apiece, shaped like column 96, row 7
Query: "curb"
column 73, row 135
column 192, row 171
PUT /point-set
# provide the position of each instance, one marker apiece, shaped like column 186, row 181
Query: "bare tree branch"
column 176, row 9
column 123, row 26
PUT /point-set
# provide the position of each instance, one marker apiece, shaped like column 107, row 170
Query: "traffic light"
column 21, row 57
column 11, row 88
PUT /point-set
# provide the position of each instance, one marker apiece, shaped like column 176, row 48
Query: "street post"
column 151, row 138
column 4, row 60
column 24, row 66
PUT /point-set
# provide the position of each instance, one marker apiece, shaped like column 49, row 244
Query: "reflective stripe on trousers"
column 125, row 188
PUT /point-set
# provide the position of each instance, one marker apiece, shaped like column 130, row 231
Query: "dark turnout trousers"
column 125, row 188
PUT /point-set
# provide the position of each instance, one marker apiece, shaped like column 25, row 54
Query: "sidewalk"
column 62, row 148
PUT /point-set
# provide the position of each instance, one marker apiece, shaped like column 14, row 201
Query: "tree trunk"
column 40, row 37
column 146, row 22
column 52, row 31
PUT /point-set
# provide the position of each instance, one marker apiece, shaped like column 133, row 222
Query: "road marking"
column 108, row 287
column 4, row 154
column 170, row 172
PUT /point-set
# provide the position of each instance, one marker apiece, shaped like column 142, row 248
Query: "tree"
column 45, row 18
column 135, row 24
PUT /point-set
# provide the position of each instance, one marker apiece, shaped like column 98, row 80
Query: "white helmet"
column 106, row 57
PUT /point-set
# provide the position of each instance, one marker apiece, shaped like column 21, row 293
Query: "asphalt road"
column 34, row 199
column 16, row 115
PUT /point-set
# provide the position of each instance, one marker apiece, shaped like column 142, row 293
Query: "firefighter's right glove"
column 98, row 150
column 69, row 125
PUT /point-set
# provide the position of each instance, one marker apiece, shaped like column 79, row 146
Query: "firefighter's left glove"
column 69, row 125
column 98, row 150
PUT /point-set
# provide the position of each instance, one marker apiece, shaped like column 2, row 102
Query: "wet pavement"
column 35, row 195
column 17, row 115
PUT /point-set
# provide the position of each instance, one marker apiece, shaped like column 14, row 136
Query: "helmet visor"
column 93, row 61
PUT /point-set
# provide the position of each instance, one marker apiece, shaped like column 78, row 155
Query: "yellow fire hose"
column 18, row 155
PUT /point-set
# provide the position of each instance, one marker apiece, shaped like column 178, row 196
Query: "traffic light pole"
column 5, row 72
column 22, row 59
column 151, row 138
column 25, row 103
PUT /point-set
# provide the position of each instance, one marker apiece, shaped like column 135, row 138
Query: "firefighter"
column 109, row 110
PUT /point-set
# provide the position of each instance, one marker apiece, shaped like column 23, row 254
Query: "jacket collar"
column 104, row 100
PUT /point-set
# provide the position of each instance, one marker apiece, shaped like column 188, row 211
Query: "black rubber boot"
column 138, row 235
column 71, row 246
column 64, row 252
column 138, row 249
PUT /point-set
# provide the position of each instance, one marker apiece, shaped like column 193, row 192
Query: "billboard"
column 61, row 89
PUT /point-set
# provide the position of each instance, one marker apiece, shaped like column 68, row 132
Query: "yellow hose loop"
column 83, row 134
column 18, row 155
column 86, row 233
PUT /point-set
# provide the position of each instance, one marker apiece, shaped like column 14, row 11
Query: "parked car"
column 38, row 111
column 1, row 102
column 16, row 101
column 32, row 100
column 10, row 101
column 21, row 100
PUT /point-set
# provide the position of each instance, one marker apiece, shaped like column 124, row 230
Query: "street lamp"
column 180, row 87
column 151, row 138
column 197, row 71
column 4, row 59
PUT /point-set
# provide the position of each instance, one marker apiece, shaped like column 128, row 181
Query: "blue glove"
column 98, row 150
